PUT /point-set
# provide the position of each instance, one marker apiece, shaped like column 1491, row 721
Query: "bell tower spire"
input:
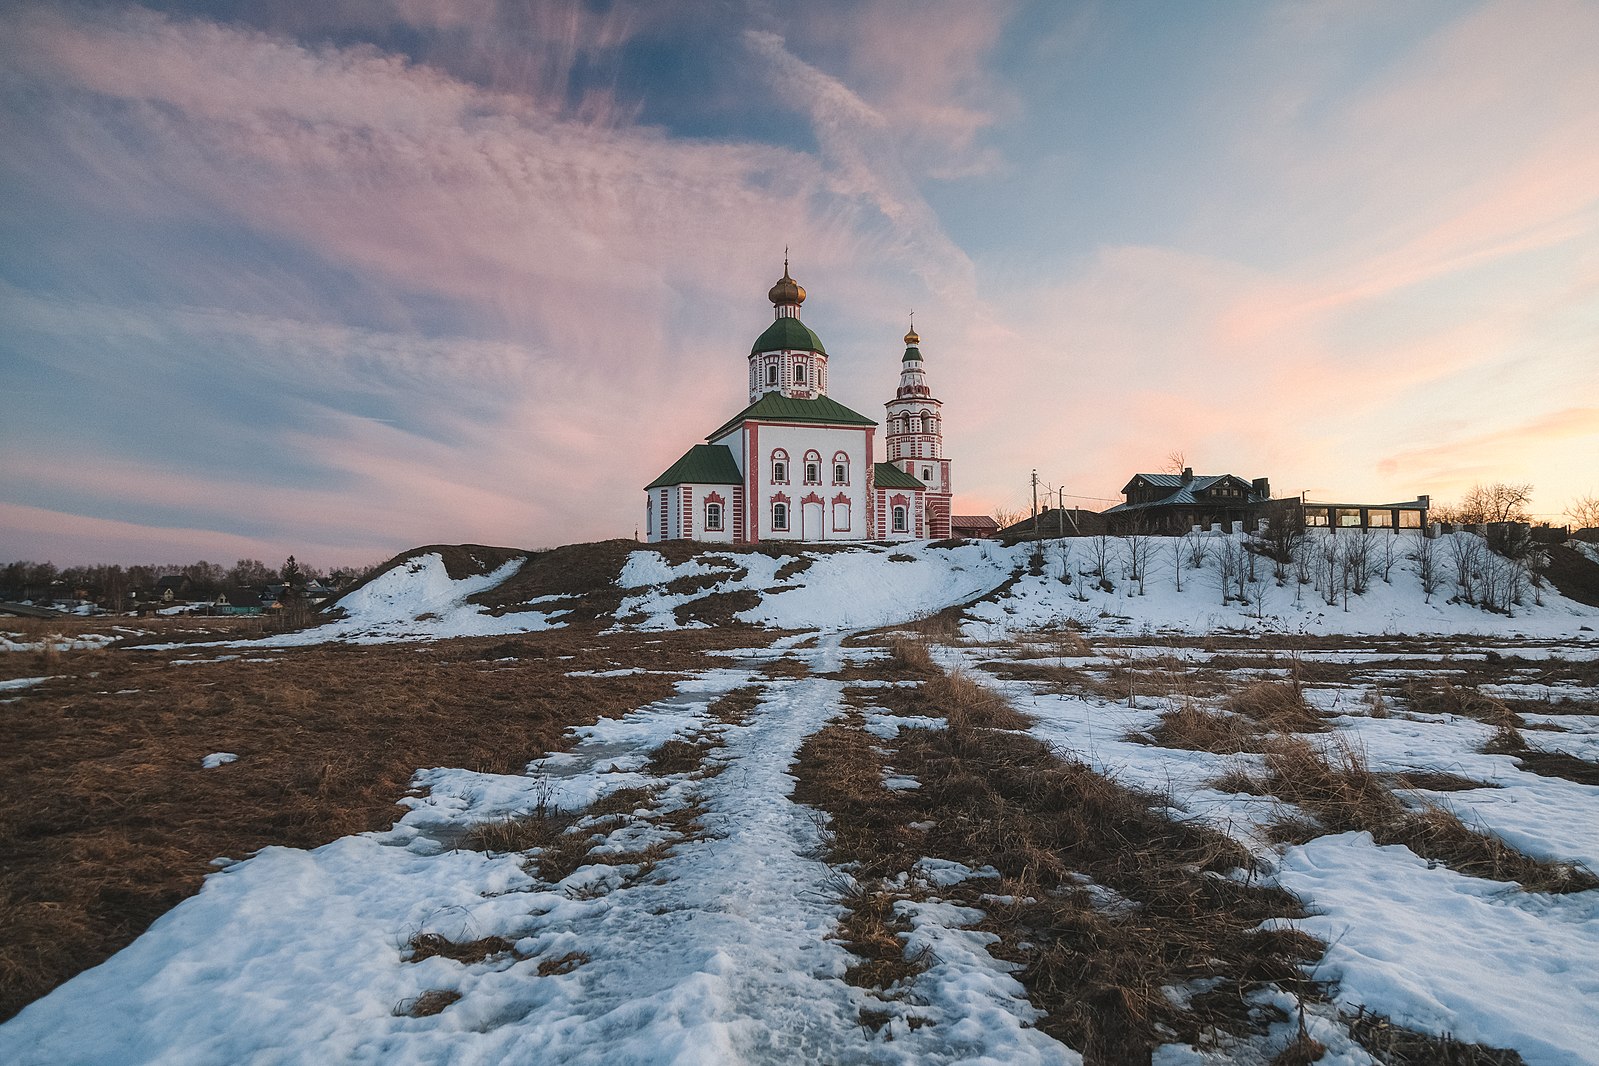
column 915, row 436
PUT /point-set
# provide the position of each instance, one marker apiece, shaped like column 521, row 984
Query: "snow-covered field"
column 701, row 925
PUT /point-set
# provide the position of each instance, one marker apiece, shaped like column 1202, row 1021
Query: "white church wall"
column 820, row 510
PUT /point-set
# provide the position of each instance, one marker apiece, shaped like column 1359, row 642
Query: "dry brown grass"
column 968, row 705
column 564, row 964
column 1278, row 706
column 1333, row 784
column 431, row 945
column 998, row 797
column 1507, row 740
column 1440, row 695
column 1055, row 677
column 1190, row 727
column 839, row 772
column 1301, row 1051
column 429, row 1003
column 911, row 658
column 907, row 659
column 1438, row 781
column 735, row 707
column 1395, row 1045
column 676, row 756
column 107, row 819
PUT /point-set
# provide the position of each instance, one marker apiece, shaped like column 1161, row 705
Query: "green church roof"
column 775, row 407
column 788, row 334
column 889, row 476
column 911, row 353
column 703, row 464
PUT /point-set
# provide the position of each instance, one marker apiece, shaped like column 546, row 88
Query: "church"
column 797, row 465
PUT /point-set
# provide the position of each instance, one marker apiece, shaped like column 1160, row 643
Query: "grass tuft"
column 429, row 1003
column 430, row 945
column 1278, row 706
column 565, row 964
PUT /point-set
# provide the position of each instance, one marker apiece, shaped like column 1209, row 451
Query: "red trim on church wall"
column 752, row 463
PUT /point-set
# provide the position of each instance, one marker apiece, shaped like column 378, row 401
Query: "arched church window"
column 900, row 525
column 927, row 473
column 799, row 373
column 840, row 469
column 813, row 468
column 779, row 516
column 713, row 516
column 771, row 374
column 780, row 467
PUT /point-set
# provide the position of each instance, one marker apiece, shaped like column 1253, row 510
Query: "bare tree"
column 1278, row 539
column 1176, row 461
column 1465, row 552
column 1354, row 564
column 1424, row 553
column 1229, row 566
column 1387, row 553
column 1140, row 552
column 1099, row 554
column 1007, row 517
column 1062, row 550
column 1499, row 502
column 1584, row 512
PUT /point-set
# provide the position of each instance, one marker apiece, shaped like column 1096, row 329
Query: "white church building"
column 797, row 465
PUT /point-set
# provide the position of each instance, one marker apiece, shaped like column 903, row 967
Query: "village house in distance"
column 797, row 465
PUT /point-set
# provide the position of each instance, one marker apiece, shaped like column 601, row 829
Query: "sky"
column 344, row 278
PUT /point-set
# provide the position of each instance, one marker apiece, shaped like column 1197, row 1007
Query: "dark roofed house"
column 972, row 526
column 1175, row 503
column 1056, row 522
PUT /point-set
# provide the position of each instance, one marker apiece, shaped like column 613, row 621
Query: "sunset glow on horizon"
column 344, row 278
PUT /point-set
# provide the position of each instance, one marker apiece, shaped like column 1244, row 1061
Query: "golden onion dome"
column 787, row 290
column 912, row 339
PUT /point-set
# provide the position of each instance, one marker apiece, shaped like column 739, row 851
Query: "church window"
column 900, row 524
column 780, row 467
column 649, row 517
column 780, row 516
column 927, row 473
column 713, row 516
column 771, row 374
column 841, row 469
column 813, row 468
column 799, row 373
column 841, row 516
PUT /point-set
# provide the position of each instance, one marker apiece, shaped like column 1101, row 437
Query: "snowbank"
column 1444, row 953
column 874, row 585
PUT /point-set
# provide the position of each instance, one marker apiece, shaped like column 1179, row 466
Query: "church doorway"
column 811, row 527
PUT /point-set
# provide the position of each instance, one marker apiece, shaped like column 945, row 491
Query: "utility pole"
column 1035, row 503
column 1060, row 515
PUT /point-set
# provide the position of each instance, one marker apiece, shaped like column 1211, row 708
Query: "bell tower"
column 916, row 435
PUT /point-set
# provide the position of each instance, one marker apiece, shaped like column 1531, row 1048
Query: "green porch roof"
column 788, row 334
column 703, row 464
column 889, row 476
column 775, row 407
